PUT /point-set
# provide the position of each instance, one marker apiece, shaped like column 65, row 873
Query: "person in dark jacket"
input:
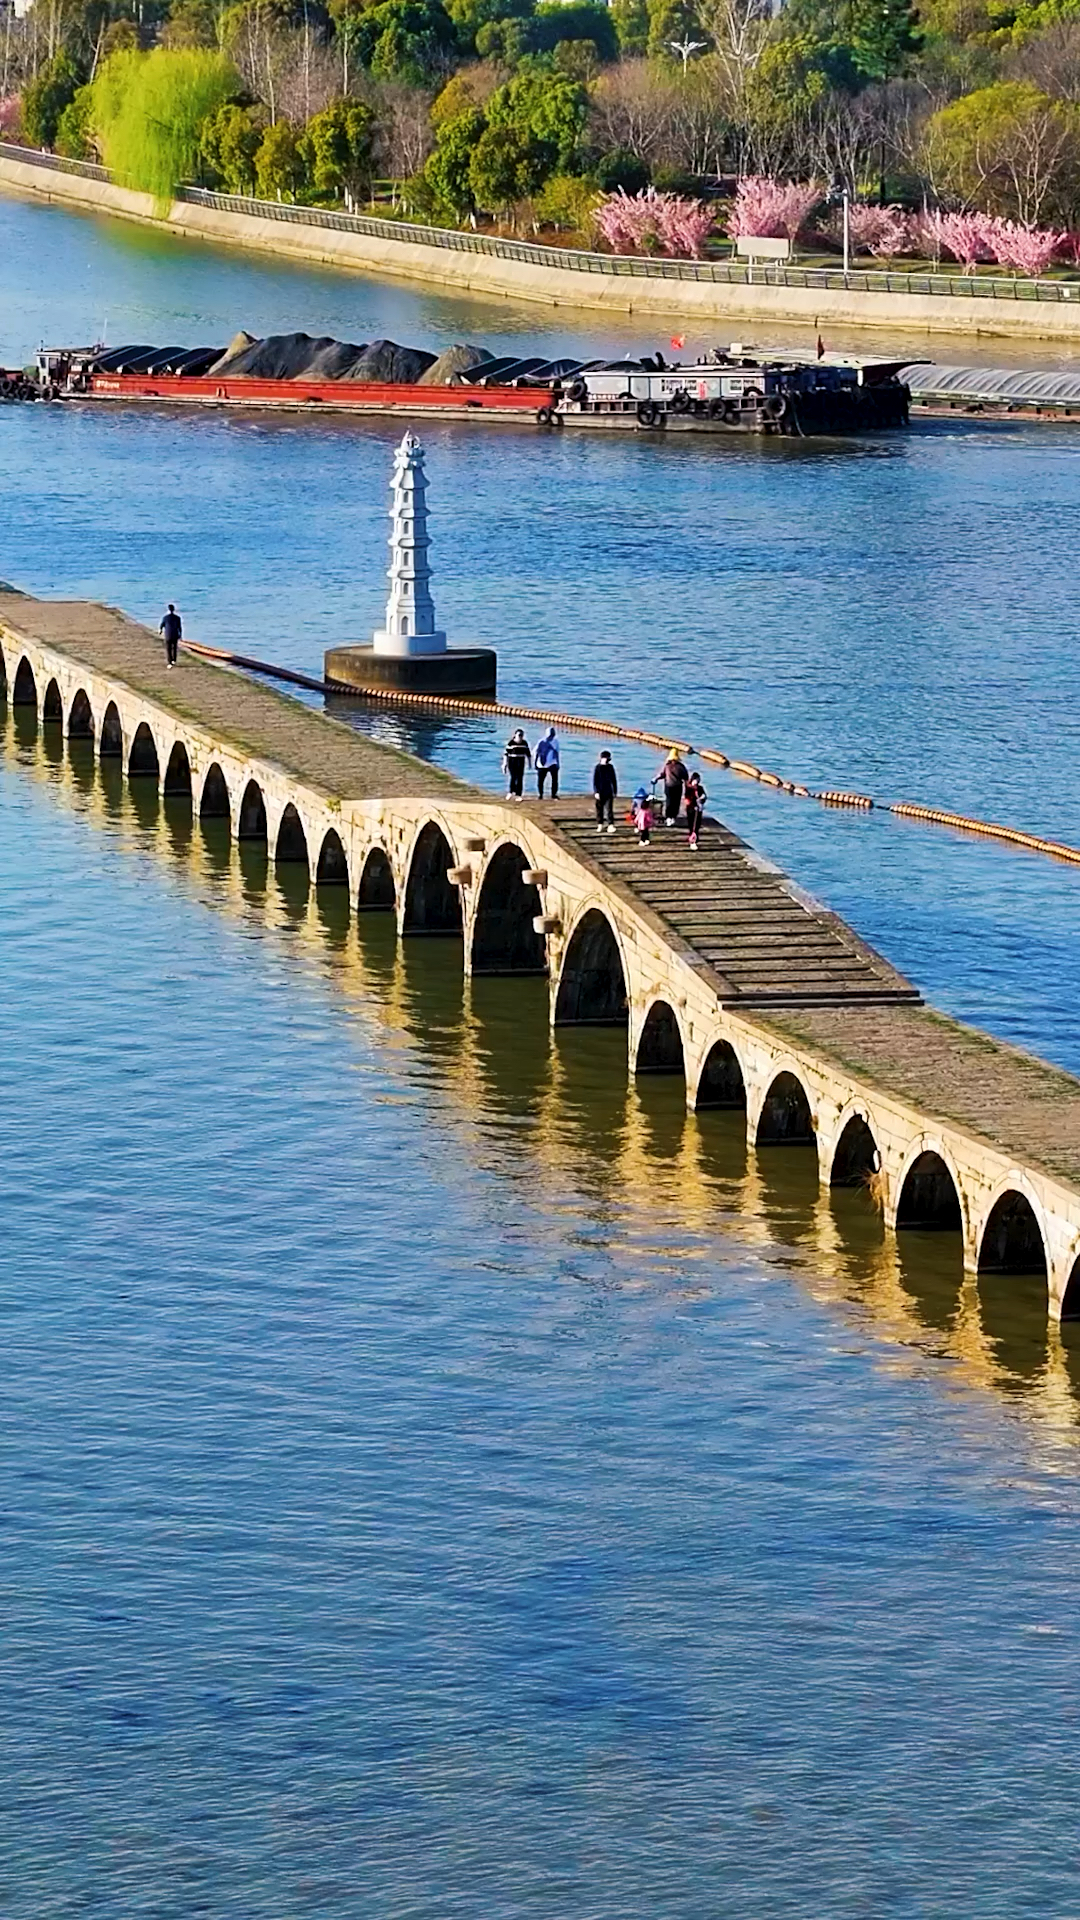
column 517, row 756
column 674, row 776
column 172, row 633
column 605, row 786
column 696, row 797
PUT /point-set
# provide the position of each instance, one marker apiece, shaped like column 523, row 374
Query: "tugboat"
column 735, row 391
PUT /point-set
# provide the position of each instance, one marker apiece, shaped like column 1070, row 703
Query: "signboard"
column 752, row 246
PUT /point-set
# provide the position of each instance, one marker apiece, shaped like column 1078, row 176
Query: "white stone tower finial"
column 410, row 610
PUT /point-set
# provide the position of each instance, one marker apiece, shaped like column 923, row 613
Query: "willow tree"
column 148, row 109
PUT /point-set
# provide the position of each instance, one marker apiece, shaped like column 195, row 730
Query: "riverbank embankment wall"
column 532, row 281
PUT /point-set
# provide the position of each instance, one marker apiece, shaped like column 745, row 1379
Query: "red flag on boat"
column 678, row 339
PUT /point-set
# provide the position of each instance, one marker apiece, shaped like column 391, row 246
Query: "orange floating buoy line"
column 581, row 723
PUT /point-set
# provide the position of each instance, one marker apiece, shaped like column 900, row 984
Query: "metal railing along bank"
column 717, row 272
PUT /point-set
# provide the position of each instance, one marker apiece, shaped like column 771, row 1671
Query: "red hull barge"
column 338, row 396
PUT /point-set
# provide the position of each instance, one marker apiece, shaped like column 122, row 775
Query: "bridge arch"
column 504, row 939
column 143, row 758
column 786, row 1119
column 52, row 707
column 178, row 774
column 856, row 1159
column 1013, row 1240
column 112, row 733
column 721, row 1083
column 377, row 892
column 593, row 982
column 214, row 802
column 24, row 686
column 80, row 724
column 332, row 869
column 252, row 822
column 432, row 901
column 929, row 1194
column 660, row 1048
column 291, row 847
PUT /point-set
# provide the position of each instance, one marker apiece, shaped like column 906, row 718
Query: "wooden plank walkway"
column 767, row 944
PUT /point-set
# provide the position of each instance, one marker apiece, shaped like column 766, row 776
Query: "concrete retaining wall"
column 492, row 277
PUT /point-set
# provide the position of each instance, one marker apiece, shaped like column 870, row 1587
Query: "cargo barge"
column 737, row 390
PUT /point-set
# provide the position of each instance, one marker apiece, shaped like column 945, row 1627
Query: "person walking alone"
column 517, row 756
column 674, row 776
column 546, row 761
column 172, row 633
column 696, row 797
column 605, row 786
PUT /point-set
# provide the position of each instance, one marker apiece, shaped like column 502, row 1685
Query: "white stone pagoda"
column 409, row 651
column 410, row 610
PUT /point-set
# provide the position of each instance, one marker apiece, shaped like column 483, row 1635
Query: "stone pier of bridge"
column 719, row 969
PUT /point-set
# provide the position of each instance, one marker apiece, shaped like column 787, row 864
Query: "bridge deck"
column 1019, row 1104
column 247, row 715
column 775, row 957
column 766, row 943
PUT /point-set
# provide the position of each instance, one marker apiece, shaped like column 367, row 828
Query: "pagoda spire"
column 410, row 610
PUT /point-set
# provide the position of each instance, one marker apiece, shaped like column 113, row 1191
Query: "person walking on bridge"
column 674, row 776
column 546, row 761
column 516, row 757
column 696, row 797
column 172, row 632
column 605, row 786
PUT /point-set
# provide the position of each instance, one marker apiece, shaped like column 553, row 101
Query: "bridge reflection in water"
column 554, row 1113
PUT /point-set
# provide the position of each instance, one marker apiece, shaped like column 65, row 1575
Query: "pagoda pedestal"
column 409, row 651
column 463, row 670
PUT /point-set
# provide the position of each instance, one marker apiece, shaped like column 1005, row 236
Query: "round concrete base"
column 460, row 670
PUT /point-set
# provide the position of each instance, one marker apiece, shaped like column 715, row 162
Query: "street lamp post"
column 686, row 47
column 839, row 196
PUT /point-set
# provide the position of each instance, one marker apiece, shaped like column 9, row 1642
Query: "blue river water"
column 437, row 1478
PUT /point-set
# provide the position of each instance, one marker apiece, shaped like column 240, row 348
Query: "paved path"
column 326, row 754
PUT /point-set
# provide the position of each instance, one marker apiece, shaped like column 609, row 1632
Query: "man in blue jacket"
column 546, row 761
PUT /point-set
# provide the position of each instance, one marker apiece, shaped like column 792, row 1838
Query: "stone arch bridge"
column 718, row 968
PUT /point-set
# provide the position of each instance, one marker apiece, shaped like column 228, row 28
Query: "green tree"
column 621, row 168
column 279, row 167
column 1008, row 149
column 447, row 169
column 857, row 41
column 669, row 21
column 405, row 39
column 336, row 148
column 506, row 165
column 148, row 110
column 631, row 22
column 191, row 23
column 469, row 16
column 556, row 20
column 546, row 108
column 228, row 143
column 46, row 98
column 506, row 41
column 883, row 36
column 74, row 131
